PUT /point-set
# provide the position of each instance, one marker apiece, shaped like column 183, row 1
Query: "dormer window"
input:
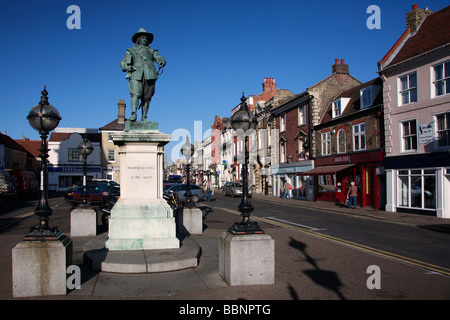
column 338, row 106
column 368, row 94
column 366, row 97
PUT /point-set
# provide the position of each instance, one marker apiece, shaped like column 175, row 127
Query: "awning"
column 326, row 170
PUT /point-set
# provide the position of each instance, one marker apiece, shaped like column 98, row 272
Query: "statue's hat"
column 140, row 33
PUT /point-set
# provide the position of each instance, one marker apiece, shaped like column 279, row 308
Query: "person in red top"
column 352, row 194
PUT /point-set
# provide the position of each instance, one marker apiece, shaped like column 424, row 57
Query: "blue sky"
column 215, row 50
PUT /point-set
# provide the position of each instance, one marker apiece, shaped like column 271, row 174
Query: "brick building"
column 297, row 141
column 349, row 147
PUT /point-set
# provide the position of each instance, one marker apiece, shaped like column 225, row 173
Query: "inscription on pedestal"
column 140, row 173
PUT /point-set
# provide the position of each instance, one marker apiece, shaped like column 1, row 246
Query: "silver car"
column 234, row 189
column 180, row 189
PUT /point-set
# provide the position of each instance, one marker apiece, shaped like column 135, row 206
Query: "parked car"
column 95, row 190
column 180, row 190
column 174, row 178
column 234, row 189
column 8, row 189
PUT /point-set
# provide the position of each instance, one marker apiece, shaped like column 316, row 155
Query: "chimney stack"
column 415, row 17
column 269, row 85
column 121, row 115
column 339, row 67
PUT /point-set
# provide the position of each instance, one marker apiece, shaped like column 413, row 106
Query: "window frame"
column 358, row 135
column 364, row 99
column 108, row 155
column 409, row 136
column 325, row 142
column 336, row 108
column 445, row 79
column 409, row 89
column 338, row 141
column 283, row 123
column 446, row 122
column 301, row 116
column 71, row 155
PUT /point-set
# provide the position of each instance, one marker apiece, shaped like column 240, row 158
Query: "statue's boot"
column 134, row 106
column 145, row 110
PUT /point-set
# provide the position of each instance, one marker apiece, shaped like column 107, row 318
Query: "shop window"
column 327, row 183
column 417, row 189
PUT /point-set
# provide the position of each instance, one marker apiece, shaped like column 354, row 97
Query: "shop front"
column 334, row 174
column 61, row 178
column 419, row 184
column 302, row 185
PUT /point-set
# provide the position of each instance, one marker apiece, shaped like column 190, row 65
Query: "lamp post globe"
column 43, row 118
column 85, row 148
column 244, row 122
column 187, row 150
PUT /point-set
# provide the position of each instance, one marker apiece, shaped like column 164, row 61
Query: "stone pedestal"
column 39, row 268
column 247, row 259
column 191, row 221
column 83, row 222
column 141, row 219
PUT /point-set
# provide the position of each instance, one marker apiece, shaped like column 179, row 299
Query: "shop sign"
column 342, row 159
column 425, row 133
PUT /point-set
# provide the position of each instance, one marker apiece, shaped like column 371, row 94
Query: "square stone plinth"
column 191, row 221
column 39, row 268
column 247, row 259
column 83, row 222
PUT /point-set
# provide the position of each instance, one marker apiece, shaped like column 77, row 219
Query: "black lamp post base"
column 243, row 228
column 43, row 233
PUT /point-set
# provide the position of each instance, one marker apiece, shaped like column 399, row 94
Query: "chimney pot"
column 336, row 61
column 415, row 6
column 340, row 68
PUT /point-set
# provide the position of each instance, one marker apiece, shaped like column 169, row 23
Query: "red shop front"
column 334, row 174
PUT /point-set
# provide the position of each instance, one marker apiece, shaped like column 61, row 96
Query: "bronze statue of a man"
column 139, row 65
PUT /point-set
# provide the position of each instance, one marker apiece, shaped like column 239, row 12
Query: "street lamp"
column 187, row 150
column 242, row 121
column 43, row 118
column 85, row 148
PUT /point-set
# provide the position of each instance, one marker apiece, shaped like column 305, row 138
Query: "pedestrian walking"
column 352, row 195
column 286, row 190
column 209, row 190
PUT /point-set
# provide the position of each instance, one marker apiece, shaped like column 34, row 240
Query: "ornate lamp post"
column 85, row 148
column 242, row 121
column 43, row 118
column 187, row 150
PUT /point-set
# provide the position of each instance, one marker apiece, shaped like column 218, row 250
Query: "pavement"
column 306, row 267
